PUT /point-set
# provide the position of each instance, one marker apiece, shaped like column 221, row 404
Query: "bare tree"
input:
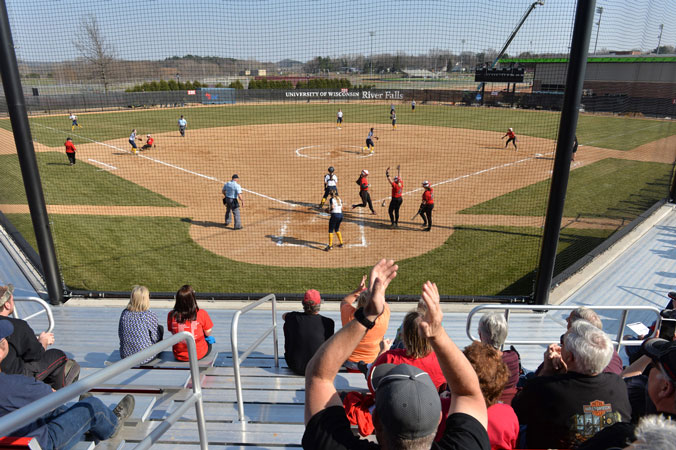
column 94, row 48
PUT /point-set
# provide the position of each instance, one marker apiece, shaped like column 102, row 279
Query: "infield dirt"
column 281, row 168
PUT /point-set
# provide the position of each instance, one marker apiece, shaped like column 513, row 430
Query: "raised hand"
column 381, row 276
column 430, row 326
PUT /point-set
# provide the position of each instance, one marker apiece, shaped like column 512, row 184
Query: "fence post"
column 584, row 16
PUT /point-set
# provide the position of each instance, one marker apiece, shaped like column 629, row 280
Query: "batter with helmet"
column 330, row 184
column 397, row 191
column 364, row 185
column 512, row 138
column 427, row 206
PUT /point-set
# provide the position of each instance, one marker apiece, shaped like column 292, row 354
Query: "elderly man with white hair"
column 567, row 408
column 493, row 331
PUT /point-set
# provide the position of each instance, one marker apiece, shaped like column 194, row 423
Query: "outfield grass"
column 601, row 131
column 613, row 188
column 159, row 253
column 81, row 184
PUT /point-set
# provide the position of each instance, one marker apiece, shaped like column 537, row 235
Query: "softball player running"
column 132, row 141
column 363, row 183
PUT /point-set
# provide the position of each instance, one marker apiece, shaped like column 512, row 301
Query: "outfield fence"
column 122, row 216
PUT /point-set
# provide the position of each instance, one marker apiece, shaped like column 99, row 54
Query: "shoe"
column 363, row 367
column 396, row 224
column 238, row 228
column 71, row 372
column 340, row 245
column 122, row 411
column 328, row 248
column 427, row 229
column 85, row 395
column 672, row 295
column 373, row 212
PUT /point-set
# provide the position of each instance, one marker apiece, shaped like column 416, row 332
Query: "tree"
column 94, row 48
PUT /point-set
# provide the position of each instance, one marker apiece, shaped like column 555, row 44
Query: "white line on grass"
column 159, row 161
column 102, row 163
column 479, row 172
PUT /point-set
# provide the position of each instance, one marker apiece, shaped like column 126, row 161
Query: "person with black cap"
column 407, row 405
column 232, row 199
column 62, row 427
column 305, row 332
column 29, row 355
column 660, row 356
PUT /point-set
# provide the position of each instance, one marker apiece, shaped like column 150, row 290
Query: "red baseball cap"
column 312, row 296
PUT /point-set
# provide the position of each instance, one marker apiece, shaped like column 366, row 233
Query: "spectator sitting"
column 138, row 328
column 62, row 427
column 584, row 313
column 660, row 356
column 417, row 350
column 493, row 331
column 187, row 316
column 407, row 407
column 655, row 432
column 28, row 355
column 305, row 332
column 566, row 405
column 369, row 347
column 503, row 425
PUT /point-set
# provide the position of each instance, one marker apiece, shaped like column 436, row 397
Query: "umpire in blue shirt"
column 232, row 199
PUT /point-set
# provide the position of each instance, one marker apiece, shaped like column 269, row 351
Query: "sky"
column 272, row 30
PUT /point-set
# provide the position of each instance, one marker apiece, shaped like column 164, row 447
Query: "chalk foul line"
column 173, row 166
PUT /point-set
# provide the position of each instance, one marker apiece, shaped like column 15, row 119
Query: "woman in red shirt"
column 427, row 206
column 395, row 204
column 187, row 316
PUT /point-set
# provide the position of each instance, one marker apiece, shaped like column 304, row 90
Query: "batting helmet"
column 147, row 135
column 426, row 183
column 511, row 129
column 396, row 178
column 331, row 169
column 364, row 172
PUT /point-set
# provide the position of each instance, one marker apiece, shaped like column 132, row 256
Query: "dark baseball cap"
column 235, row 176
column 407, row 402
column 5, row 293
column 6, row 328
column 664, row 352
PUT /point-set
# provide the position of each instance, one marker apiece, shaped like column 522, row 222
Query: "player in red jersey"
column 427, row 206
column 512, row 139
column 70, row 150
column 150, row 142
column 363, row 183
column 395, row 203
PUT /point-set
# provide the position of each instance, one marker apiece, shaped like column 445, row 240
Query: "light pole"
column 659, row 38
column 599, row 9
column 371, row 33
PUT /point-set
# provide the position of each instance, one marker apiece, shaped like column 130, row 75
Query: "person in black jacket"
column 28, row 355
column 305, row 332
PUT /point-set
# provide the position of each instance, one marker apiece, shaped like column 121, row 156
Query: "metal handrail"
column 618, row 341
column 46, row 308
column 27, row 414
column 237, row 359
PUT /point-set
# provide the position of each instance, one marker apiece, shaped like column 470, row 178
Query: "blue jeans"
column 67, row 426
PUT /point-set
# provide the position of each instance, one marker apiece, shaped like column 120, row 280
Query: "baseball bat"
column 398, row 170
column 416, row 214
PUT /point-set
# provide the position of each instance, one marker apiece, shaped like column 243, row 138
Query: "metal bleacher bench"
column 166, row 360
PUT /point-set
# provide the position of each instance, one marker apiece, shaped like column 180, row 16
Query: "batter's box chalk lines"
column 173, row 166
column 279, row 240
column 462, row 177
column 102, row 164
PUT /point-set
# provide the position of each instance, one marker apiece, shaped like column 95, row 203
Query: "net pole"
column 16, row 106
column 584, row 17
